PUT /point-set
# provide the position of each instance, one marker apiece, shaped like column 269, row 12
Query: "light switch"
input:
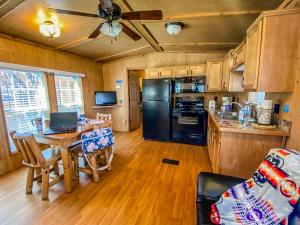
column 286, row 108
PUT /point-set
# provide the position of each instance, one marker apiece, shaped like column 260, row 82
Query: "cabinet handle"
column 224, row 85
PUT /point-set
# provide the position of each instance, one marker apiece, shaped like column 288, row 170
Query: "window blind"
column 69, row 94
column 24, row 98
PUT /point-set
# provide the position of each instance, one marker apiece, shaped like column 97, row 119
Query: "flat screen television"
column 105, row 98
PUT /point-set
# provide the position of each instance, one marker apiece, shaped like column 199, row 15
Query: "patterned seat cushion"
column 97, row 140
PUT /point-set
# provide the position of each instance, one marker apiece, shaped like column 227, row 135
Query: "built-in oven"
column 190, row 84
column 189, row 122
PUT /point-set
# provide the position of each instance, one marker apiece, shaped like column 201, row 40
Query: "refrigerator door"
column 156, row 90
column 156, row 120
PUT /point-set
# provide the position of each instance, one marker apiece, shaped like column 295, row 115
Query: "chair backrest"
column 107, row 118
column 27, row 146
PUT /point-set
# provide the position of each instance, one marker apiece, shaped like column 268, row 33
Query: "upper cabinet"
column 231, row 80
column 176, row 71
column 214, row 75
column 198, row 70
column 270, row 51
column 226, row 72
column 181, row 71
column 155, row 73
column 238, row 55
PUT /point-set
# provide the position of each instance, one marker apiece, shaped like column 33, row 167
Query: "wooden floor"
column 138, row 190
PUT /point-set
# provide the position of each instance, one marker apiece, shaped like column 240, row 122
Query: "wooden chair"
column 101, row 157
column 107, row 118
column 40, row 163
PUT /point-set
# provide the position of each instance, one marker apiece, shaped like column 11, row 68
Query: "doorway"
column 135, row 96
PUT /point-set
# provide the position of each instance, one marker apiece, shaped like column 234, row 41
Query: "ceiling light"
column 48, row 27
column 174, row 28
column 112, row 29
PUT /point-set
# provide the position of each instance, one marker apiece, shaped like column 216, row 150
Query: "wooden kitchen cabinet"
column 198, row 70
column 231, row 80
column 214, row 145
column 270, row 51
column 232, row 148
column 156, row 73
column 181, row 71
column 238, row 55
column 253, row 42
column 226, row 72
column 214, row 75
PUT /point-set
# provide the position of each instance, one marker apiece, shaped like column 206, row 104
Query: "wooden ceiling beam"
column 142, row 29
column 195, row 16
column 201, row 44
column 198, row 16
column 287, row 4
column 6, row 6
column 78, row 42
column 122, row 53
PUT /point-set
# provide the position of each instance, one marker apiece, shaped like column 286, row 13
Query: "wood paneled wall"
column 20, row 53
column 118, row 70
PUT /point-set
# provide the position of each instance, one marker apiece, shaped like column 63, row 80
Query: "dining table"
column 63, row 141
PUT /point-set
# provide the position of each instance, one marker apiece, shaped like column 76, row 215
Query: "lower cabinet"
column 238, row 154
column 214, row 145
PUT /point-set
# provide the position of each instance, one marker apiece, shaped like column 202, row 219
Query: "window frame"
column 3, row 117
column 82, row 110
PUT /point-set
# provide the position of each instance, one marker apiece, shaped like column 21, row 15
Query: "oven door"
column 189, row 85
column 189, row 127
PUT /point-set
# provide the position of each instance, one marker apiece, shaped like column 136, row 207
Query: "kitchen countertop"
column 234, row 126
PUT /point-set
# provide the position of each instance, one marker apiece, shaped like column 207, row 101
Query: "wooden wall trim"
column 51, row 92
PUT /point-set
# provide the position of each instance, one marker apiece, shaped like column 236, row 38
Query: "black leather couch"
column 211, row 186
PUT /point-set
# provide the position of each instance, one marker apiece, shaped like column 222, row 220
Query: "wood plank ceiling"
column 210, row 25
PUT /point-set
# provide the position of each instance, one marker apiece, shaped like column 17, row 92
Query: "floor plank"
column 139, row 189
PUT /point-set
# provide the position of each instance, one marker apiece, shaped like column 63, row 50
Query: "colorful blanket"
column 267, row 198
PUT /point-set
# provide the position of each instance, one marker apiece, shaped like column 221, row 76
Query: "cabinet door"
column 198, row 70
column 253, row 43
column 181, row 71
column 153, row 73
column 214, row 75
column 240, row 53
column 166, row 72
column 226, row 73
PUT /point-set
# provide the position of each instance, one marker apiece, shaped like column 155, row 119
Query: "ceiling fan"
column 111, row 12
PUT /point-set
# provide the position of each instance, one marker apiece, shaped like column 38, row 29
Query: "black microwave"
column 190, row 84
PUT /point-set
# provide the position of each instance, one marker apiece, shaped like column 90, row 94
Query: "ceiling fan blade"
column 106, row 4
column 96, row 32
column 74, row 13
column 142, row 15
column 127, row 30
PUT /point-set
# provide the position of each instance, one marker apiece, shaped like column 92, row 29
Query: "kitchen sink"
column 227, row 115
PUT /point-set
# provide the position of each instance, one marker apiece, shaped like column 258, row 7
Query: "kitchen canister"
column 264, row 112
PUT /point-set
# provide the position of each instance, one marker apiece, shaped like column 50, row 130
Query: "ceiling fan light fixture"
column 174, row 28
column 112, row 29
column 50, row 29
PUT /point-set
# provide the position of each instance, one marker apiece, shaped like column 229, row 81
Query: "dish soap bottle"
column 242, row 115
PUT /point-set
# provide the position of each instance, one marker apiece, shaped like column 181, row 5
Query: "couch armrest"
column 212, row 185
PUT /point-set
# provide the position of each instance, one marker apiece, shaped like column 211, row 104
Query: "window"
column 69, row 94
column 24, row 97
column 256, row 97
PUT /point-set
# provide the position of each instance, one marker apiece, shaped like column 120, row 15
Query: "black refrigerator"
column 156, row 98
